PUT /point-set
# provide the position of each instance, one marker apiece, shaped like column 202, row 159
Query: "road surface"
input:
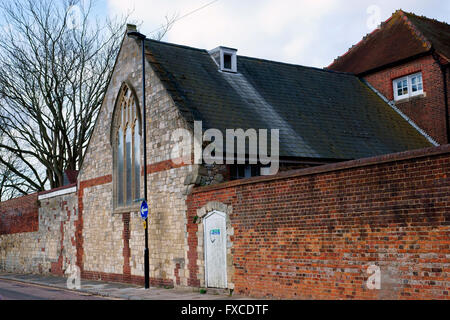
column 12, row 290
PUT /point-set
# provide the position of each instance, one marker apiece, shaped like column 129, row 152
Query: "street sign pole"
column 140, row 36
column 144, row 120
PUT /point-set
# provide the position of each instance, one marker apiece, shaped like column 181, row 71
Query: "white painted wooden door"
column 216, row 250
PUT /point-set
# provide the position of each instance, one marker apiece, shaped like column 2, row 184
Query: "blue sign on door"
column 215, row 232
column 144, row 210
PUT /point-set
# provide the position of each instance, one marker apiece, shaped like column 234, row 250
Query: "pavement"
column 119, row 290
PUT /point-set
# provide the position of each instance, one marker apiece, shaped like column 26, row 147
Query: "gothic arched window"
column 127, row 149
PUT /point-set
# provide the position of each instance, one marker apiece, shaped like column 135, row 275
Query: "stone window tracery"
column 127, row 149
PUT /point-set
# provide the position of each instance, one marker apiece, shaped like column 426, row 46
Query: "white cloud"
column 277, row 17
column 308, row 32
column 295, row 48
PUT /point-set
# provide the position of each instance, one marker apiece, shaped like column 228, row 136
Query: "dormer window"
column 408, row 86
column 225, row 58
column 227, row 61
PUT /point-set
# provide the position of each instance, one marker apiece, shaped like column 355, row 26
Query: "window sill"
column 125, row 210
column 404, row 100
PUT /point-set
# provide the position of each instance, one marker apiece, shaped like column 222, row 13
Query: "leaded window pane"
column 129, row 164
column 127, row 151
column 120, row 171
column 137, row 161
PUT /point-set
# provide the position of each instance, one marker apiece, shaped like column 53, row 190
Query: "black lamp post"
column 139, row 36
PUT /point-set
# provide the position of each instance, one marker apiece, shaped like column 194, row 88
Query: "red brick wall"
column 312, row 233
column 19, row 215
column 428, row 112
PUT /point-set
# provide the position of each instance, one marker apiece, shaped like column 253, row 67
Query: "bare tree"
column 55, row 64
column 162, row 31
column 11, row 185
column 56, row 61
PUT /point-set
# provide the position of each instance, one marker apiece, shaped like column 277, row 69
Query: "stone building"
column 324, row 117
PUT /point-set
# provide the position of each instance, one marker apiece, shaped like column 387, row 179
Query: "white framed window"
column 408, row 86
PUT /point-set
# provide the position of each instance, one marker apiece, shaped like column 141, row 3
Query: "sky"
column 305, row 32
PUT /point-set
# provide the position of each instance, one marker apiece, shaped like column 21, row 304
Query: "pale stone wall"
column 102, row 232
column 21, row 253
column 103, row 244
column 49, row 249
column 167, row 227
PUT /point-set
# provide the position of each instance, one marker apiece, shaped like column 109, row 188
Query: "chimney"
column 70, row 177
column 131, row 27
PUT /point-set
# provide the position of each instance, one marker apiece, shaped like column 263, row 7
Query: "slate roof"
column 321, row 114
column 402, row 36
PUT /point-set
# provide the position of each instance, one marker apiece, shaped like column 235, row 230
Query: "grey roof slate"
column 321, row 114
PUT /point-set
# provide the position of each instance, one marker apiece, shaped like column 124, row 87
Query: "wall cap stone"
column 367, row 162
column 58, row 192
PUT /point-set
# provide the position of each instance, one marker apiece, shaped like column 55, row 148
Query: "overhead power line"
column 188, row 14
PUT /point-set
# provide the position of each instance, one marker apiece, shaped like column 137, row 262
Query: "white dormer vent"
column 225, row 58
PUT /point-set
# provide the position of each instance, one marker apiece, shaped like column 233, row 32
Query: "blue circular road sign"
column 144, row 210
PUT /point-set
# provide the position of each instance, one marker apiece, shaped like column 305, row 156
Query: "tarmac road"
column 107, row 290
column 12, row 290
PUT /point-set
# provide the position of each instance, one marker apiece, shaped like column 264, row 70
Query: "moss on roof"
column 320, row 114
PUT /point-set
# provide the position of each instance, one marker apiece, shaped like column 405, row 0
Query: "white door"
column 216, row 250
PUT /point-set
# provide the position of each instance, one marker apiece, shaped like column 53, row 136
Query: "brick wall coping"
column 366, row 162
column 58, row 191
column 14, row 200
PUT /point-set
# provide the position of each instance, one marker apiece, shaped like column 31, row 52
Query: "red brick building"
column 407, row 60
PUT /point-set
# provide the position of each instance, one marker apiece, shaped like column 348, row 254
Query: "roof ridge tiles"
column 364, row 39
column 248, row 57
column 415, row 30
column 421, row 35
column 297, row 65
column 425, row 18
column 405, row 18
column 176, row 45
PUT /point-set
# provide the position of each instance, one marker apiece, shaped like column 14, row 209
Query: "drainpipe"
column 444, row 74
column 444, row 78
